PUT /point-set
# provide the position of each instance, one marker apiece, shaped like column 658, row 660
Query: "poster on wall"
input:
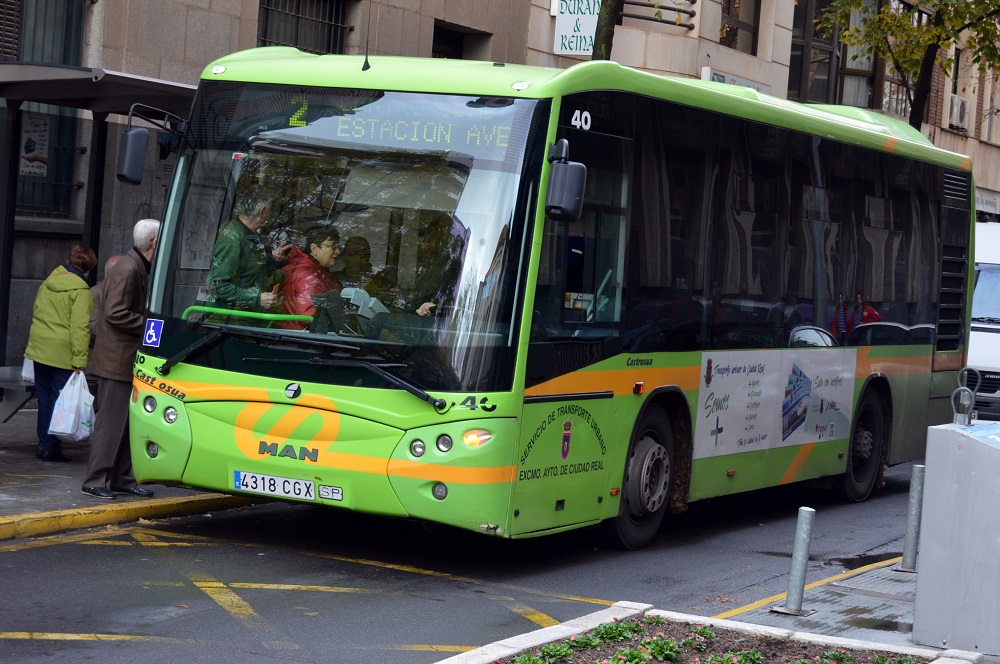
column 35, row 146
column 576, row 22
column 756, row 400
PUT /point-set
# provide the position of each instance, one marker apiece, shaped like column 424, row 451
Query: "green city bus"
column 630, row 279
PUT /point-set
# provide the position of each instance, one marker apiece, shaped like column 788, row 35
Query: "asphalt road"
column 285, row 583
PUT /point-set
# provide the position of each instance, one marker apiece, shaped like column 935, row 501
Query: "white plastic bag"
column 73, row 415
column 28, row 371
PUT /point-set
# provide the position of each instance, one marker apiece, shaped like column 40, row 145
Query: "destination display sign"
column 483, row 128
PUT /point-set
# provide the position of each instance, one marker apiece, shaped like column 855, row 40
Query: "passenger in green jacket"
column 59, row 339
column 244, row 274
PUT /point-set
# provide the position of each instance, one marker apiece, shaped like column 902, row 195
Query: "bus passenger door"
column 564, row 457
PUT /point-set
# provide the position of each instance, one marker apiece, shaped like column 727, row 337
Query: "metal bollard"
column 800, row 559
column 909, row 563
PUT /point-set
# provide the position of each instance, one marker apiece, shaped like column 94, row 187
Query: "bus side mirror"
column 132, row 154
column 567, row 183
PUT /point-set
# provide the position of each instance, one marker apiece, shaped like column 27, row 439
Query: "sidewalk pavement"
column 870, row 608
column 41, row 498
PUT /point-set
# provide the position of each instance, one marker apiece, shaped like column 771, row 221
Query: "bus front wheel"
column 865, row 454
column 646, row 484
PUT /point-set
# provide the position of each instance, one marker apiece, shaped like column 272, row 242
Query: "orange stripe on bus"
column 891, row 366
column 220, row 392
column 796, row 465
column 618, row 380
column 890, row 144
column 458, row 474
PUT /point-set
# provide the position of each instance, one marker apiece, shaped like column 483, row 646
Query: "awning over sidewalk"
column 91, row 88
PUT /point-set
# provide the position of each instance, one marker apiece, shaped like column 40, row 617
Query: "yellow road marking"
column 65, row 477
column 165, row 584
column 289, row 586
column 194, row 538
column 465, row 579
column 22, row 545
column 537, row 617
column 816, row 584
column 61, row 636
column 145, row 538
column 430, row 648
column 224, row 597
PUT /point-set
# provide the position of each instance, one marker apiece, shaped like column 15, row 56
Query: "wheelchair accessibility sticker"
column 151, row 337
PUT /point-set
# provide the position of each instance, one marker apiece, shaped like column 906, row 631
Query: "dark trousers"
column 110, row 461
column 49, row 381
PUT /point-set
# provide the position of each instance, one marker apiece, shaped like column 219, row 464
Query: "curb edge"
column 47, row 523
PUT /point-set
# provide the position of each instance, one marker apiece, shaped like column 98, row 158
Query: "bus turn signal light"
column 476, row 437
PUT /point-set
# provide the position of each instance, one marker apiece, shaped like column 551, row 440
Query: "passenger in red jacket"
column 861, row 314
column 308, row 275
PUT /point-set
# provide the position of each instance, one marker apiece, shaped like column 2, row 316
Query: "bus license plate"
column 269, row 485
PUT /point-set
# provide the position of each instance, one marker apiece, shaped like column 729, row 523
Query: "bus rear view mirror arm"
column 567, row 182
column 132, row 146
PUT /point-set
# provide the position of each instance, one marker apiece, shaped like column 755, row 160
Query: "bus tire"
column 864, row 458
column 646, row 483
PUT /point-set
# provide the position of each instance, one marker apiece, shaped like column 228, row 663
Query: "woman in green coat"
column 59, row 340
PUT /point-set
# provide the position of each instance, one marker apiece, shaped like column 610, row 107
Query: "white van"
column 984, row 340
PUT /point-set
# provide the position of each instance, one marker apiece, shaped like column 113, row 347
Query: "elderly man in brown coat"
column 119, row 333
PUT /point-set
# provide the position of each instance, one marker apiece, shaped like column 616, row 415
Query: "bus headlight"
column 152, row 449
column 417, row 448
column 149, row 404
column 170, row 415
column 444, row 442
column 439, row 491
column 476, row 437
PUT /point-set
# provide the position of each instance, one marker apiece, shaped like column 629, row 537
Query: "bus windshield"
column 386, row 226
column 986, row 296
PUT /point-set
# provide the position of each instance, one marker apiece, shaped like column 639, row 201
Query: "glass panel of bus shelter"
column 429, row 190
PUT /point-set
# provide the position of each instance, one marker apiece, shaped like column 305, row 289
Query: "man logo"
column 293, row 391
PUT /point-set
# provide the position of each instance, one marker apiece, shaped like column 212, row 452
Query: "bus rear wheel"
column 865, row 454
column 646, row 484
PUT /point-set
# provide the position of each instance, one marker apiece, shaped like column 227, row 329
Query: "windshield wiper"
column 985, row 319
column 377, row 369
column 220, row 334
column 210, row 340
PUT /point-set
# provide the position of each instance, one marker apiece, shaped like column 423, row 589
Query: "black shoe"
column 56, row 456
column 98, row 492
column 137, row 490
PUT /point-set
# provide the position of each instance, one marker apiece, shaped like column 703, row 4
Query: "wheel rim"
column 863, row 442
column 651, row 484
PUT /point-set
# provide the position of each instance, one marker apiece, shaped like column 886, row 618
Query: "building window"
column 448, row 43
column 895, row 97
column 10, row 28
column 991, row 124
column 739, row 25
column 812, row 69
column 314, row 26
column 46, row 31
column 460, row 42
column 857, row 73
